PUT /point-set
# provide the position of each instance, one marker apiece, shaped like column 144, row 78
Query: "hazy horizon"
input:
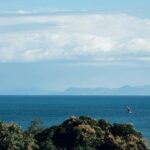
column 53, row 45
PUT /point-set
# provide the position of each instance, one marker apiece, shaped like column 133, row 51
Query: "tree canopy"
column 75, row 133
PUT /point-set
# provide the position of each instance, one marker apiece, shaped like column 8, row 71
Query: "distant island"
column 75, row 133
column 124, row 90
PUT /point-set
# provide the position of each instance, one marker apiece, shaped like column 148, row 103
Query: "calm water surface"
column 54, row 109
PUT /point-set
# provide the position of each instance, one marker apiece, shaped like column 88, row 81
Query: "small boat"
column 129, row 110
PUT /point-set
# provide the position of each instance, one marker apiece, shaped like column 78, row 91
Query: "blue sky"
column 104, row 43
column 48, row 5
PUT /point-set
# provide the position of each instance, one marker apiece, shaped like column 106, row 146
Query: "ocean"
column 53, row 110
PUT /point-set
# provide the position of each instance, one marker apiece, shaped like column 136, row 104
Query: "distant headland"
column 124, row 90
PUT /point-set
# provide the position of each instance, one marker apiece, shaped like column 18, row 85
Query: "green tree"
column 13, row 138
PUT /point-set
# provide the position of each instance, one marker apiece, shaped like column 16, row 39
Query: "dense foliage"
column 12, row 137
column 83, row 133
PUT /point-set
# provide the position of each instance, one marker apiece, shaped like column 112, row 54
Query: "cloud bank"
column 86, row 38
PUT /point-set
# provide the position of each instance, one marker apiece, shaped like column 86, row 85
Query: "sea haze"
column 124, row 90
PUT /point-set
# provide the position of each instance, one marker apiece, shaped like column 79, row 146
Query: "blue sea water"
column 55, row 109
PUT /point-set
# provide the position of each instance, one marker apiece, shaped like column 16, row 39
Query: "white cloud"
column 101, row 37
column 139, row 44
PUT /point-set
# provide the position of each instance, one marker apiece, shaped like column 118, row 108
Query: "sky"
column 56, row 45
column 57, row 5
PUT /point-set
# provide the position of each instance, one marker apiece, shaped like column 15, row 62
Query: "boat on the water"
column 129, row 110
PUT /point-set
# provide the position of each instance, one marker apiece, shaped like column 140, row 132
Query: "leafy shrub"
column 124, row 130
column 83, row 133
column 13, row 138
